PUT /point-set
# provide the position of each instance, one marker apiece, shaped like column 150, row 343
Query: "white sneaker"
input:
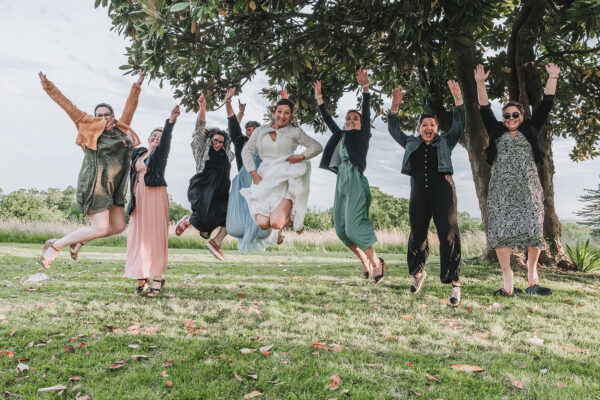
column 415, row 286
column 454, row 295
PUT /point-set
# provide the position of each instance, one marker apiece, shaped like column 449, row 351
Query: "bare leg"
column 362, row 257
column 533, row 254
column 281, row 214
column 503, row 254
column 263, row 222
column 99, row 227
column 220, row 235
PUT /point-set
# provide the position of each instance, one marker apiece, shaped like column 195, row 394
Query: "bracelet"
column 366, row 86
column 458, row 97
column 318, row 97
column 553, row 76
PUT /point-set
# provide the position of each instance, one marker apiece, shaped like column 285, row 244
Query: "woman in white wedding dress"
column 281, row 184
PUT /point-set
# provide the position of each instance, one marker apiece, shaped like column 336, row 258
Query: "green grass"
column 308, row 298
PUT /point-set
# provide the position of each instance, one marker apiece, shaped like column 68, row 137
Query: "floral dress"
column 515, row 196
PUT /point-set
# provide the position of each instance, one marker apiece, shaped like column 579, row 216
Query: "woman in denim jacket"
column 427, row 159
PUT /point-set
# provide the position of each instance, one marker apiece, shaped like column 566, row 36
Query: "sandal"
column 215, row 249
column 74, row 250
column 142, row 288
column 539, row 290
column 155, row 291
column 503, row 293
column 368, row 272
column 379, row 272
column 46, row 260
column 182, row 225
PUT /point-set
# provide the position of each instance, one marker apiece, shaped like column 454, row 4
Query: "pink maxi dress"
column 147, row 238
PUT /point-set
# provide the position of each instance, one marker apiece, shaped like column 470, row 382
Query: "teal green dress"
column 102, row 182
column 352, row 202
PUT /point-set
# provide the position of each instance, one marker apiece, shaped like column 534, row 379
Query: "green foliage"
column 468, row 223
column 29, row 205
column 176, row 211
column 582, row 258
column 591, row 210
column 318, row 220
column 388, row 212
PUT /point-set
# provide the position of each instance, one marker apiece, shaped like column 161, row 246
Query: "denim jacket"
column 444, row 142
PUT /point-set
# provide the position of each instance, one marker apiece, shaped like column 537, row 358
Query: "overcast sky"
column 72, row 43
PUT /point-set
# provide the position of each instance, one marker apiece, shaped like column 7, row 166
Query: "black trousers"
column 434, row 198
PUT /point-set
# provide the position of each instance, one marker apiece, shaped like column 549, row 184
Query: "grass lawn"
column 322, row 319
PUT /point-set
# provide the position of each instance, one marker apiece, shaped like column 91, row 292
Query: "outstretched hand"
column 141, row 78
column 362, row 77
column 43, row 78
column 242, row 106
column 174, row 114
column 480, row 74
column 230, row 93
column 284, row 93
column 296, row 158
column 553, row 69
column 317, row 88
column 202, row 101
column 454, row 88
column 396, row 98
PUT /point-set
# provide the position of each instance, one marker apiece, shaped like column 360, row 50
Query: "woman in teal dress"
column 346, row 155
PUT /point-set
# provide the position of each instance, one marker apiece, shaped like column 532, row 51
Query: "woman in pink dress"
column 147, row 238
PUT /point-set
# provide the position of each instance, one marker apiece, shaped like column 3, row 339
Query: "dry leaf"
column 259, row 339
column 9, row 353
column 407, row 317
column 116, row 366
column 432, row 378
column 246, row 351
column 169, row 383
column 337, row 348
column 239, row 378
column 253, row 376
column 69, row 349
column 335, row 378
column 86, row 397
column 518, row 384
column 559, row 384
column 55, row 387
column 534, row 309
column 577, row 349
column 22, row 367
column 265, row 349
column 466, row 368
column 75, row 378
column 254, row 393
column 133, row 346
column 320, row 346
column 469, row 310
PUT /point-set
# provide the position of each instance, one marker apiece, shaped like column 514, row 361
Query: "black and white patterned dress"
column 515, row 197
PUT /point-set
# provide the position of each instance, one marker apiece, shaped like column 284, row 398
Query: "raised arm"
column 393, row 122
column 242, row 110
column 480, row 77
column 362, row 77
column 72, row 111
column 323, row 109
column 541, row 113
column 198, row 137
column 161, row 152
column 458, row 115
column 132, row 100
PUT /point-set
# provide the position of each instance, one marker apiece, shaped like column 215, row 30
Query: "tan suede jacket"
column 89, row 128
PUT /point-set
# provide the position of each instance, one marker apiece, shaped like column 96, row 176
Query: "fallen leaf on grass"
column 517, row 384
column 414, row 393
column 75, row 378
column 112, row 328
column 86, row 397
column 469, row 310
column 410, row 364
column 239, row 378
column 9, row 353
column 466, row 368
column 133, row 346
column 22, row 367
column 55, row 387
column 254, row 393
column 69, row 349
column 337, row 348
column 74, row 388
column 534, row 309
column 265, row 350
column 407, row 317
column 320, row 346
column 13, row 332
column 536, row 340
column 559, row 384
column 247, row 351
column 432, row 378
column 265, row 324
column 139, row 357
column 335, row 382
column 253, row 376
column 577, row 349
column 169, row 383
column 258, row 340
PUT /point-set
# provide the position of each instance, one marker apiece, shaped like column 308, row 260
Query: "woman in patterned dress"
column 107, row 144
column 515, row 196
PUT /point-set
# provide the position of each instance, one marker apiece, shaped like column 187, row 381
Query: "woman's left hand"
column 174, row 114
column 454, row 88
column 296, row 158
column 284, row 93
column 553, row 69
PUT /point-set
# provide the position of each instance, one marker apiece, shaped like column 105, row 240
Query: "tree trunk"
column 524, row 85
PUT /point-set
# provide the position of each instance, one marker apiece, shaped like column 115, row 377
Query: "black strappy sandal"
column 155, row 291
column 142, row 288
column 538, row 290
column 383, row 266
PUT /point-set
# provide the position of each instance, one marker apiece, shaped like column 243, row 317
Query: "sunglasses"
column 217, row 141
column 515, row 115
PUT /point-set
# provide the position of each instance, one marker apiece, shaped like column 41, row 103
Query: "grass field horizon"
column 209, row 334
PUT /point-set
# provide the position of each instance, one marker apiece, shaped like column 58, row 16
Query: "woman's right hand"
column 480, row 74
column 396, row 99
column 43, row 78
column 230, row 93
column 317, row 88
column 256, row 178
column 174, row 114
column 202, row 101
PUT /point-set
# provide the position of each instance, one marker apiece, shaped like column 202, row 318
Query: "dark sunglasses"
column 515, row 115
column 215, row 140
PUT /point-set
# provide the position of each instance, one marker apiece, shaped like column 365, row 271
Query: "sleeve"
column 488, row 118
column 365, row 122
column 199, row 140
column 248, row 152
column 540, row 115
column 160, row 154
column 131, row 104
column 458, row 126
column 328, row 119
column 313, row 148
column 329, row 149
column 72, row 111
column 395, row 131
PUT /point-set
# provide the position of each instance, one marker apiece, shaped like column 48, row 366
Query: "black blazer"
column 529, row 127
column 156, row 162
column 238, row 138
column 357, row 141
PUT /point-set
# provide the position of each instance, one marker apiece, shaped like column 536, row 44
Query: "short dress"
column 351, row 203
column 148, row 231
column 102, row 182
column 515, row 196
